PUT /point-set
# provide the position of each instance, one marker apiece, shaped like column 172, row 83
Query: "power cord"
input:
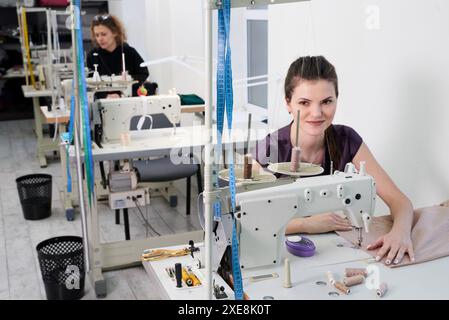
column 143, row 217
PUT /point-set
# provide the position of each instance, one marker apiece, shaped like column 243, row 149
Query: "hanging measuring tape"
column 82, row 92
column 67, row 138
column 225, row 104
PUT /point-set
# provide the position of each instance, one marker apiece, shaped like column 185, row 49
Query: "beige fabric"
column 430, row 234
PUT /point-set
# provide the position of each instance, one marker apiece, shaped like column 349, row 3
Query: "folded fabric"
column 191, row 99
column 430, row 234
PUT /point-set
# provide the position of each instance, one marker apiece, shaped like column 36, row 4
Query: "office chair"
column 163, row 169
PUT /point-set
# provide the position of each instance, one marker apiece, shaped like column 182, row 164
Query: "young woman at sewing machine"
column 108, row 36
column 311, row 87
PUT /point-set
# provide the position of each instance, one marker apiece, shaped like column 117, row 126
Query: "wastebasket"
column 61, row 260
column 35, row 195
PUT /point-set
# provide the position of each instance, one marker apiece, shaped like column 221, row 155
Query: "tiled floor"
column 20, row 276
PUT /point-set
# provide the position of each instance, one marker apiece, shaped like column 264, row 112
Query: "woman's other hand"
column 325, row 222
column 393, row 245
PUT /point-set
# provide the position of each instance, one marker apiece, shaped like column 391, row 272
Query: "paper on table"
column 430, row 234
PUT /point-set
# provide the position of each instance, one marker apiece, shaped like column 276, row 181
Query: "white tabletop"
column 427, row 280
column 421, row 281
column 30, row 92
column 55, row 116
column 167, row 286
column 158, row 142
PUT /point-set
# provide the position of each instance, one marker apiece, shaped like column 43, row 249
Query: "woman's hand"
column 325, row 222
column 394, row 244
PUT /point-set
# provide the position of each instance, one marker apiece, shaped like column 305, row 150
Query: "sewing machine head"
column 104, row 84
column 263, row 214
column 115, row 115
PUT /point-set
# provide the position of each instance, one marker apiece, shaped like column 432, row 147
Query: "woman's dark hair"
column 315, row 68
column 112, row 23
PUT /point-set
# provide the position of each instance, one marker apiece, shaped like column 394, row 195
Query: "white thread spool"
column 383, row 287
column 287, row 277
column 330, row 277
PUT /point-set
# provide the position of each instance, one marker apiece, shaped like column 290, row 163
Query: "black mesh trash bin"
column 61, row 260
column 35, row 195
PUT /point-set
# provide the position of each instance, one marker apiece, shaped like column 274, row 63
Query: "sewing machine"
column 263, row 213
column 107, row 84
column 115, row 115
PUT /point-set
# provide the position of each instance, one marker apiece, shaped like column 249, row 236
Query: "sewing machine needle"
column 360, row 237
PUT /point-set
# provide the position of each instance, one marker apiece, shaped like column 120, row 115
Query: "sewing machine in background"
column 113, row 120
column 114, row 116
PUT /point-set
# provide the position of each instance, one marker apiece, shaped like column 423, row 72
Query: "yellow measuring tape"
column 159, row 254
column 27, row 47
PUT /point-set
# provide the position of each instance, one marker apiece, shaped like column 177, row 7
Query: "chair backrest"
column 160, row 121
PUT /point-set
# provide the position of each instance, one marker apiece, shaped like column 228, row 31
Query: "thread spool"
column 248, row 166
column 352, row 281
column 196, row 281
column 350, row 272
column 287, row 278
column 186, row 278
column 330, row 277
column 383, row 287
column 295, row 163
column 178, row 275
column 340, row 286
column 125, row 139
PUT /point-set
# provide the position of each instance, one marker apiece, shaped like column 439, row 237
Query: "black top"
column 111, row 62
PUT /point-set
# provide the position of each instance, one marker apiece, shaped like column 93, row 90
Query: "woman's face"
column 105, row 37
column 317, row 102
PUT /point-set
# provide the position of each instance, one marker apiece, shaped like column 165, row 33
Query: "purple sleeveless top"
column 277, row 147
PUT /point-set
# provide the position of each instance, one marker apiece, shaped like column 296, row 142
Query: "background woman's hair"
column 112, row 23
column 315, row 68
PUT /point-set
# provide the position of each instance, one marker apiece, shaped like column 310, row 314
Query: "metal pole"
column 209, row 155
column 50, row 81
column 77, row 143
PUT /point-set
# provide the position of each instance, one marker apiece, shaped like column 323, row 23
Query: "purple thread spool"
column 300, row 246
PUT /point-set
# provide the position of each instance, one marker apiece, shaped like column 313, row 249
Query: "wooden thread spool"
column 295, row 163
column 330, row 277
column 248, row 166
column 340, row 286
column 352, row 281
column 350, row 272
column 383, row 287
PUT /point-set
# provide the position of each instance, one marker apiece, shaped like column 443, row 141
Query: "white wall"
column 392, row 80
column 164, row 28
column 132, row 15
